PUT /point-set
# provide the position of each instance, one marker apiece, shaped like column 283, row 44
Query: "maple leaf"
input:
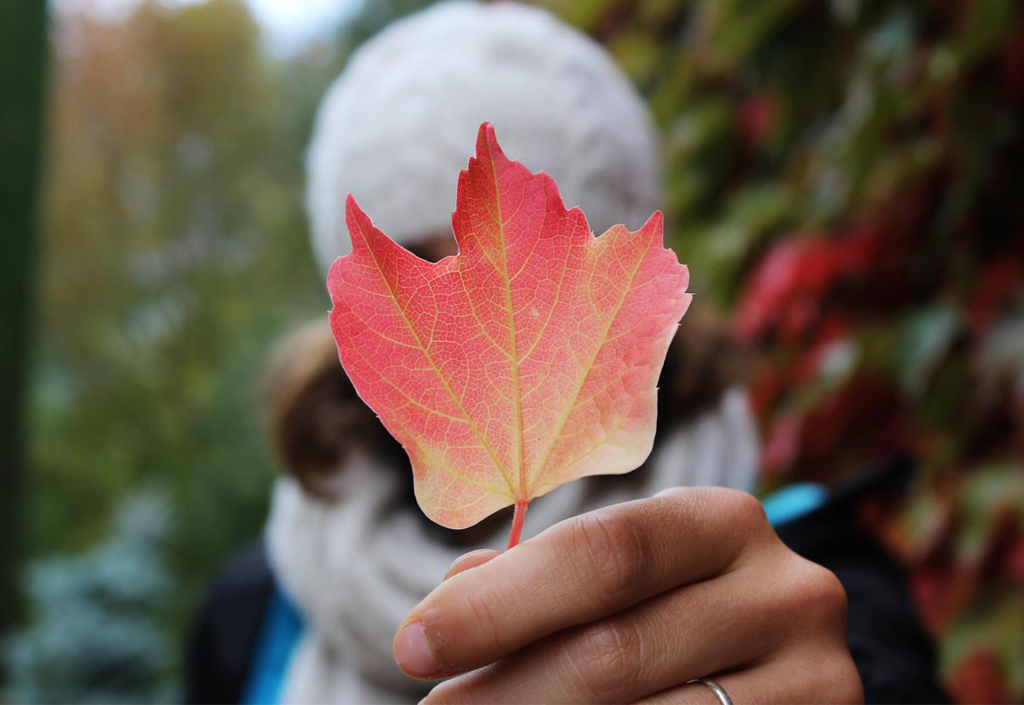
column 527, row 360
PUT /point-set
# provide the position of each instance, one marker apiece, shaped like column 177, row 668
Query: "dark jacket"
column 894, row 656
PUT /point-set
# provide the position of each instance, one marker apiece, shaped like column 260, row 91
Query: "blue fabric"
column 279, row 635
column 793, row 502
column 283, row 626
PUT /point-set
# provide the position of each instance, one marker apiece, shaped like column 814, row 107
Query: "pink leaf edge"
column 527, row 360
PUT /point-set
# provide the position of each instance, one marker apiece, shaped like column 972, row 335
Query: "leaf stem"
column 517, row 523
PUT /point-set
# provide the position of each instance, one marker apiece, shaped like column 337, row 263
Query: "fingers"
column 817, row 673
column 579, row 571
column 703, row 628
column 737, row 620
column 411, row 642
column 802, row 677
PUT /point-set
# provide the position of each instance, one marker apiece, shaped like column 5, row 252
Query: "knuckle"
column 616, row 549
column 819, row 595
column 850, row 686
column 485, row 617
column 839, row 681
column 736, row 512
column 745, row 510
column 606, row 660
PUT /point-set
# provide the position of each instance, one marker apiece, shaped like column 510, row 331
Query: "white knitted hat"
column 400, row 122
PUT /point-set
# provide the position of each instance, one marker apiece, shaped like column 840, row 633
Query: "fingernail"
column 413, row 654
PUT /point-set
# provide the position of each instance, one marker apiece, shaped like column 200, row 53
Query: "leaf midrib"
column 516, row 395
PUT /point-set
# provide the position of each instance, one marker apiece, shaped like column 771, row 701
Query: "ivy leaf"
column 526, row 361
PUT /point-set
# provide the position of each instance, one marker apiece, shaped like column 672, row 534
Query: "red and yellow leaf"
column 527, row 360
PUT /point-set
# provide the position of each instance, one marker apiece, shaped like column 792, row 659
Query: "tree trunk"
column 23, row 51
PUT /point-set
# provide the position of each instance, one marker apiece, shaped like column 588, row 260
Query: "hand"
column 628, row 603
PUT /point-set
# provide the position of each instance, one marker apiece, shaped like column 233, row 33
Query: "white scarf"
column 357, row 566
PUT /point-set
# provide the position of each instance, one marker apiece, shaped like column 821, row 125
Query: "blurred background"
column 844, row 178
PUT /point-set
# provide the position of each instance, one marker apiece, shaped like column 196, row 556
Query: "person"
column 626, row 588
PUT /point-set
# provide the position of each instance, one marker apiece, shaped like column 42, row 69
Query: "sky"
column 288, row 25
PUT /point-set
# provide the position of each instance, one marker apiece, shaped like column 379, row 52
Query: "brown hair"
column 316, row 419
column 314, row 416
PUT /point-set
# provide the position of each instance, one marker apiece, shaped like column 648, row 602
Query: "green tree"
column 176, row 253
column 96, row 634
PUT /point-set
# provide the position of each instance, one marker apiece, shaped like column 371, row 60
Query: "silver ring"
column 723, row 697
